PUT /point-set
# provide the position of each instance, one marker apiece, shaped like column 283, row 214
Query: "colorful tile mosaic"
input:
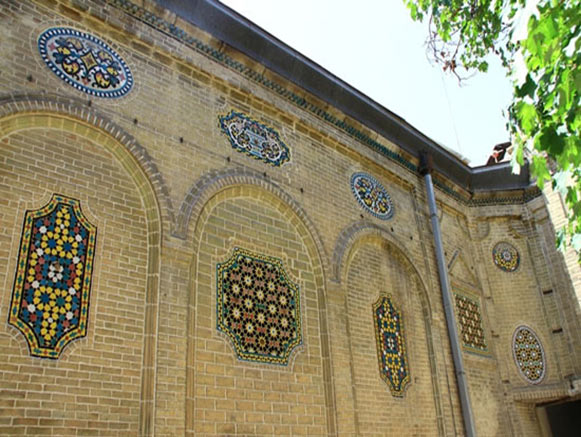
column 50, row 301
column 528, row 354
column 470, row 323
column 506, row 257
column 258, row 307
column 85, row 62
column 371, row 195
column 254, row 139
column 391, row 353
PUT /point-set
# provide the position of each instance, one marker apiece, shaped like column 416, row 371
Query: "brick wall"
column 172, row 199
column 95, row 384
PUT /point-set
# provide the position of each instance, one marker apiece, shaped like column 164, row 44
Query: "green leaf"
column 540, row 171
column 561, row 239
column 413, row 10
column 518, row 157
column 526, row 89
column 545, row 109
column 527, row 117
column 549, row 140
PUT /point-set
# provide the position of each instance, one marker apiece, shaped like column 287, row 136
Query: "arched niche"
column 239, row 208
column 70, row 122
column 370, row 263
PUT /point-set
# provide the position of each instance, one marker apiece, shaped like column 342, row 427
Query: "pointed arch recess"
column 213, row 188
column 21, row 112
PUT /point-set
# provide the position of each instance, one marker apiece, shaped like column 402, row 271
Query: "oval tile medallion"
column 372, row 195
column 85, row 62
column 528, row 354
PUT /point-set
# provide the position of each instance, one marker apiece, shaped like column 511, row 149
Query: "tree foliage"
column 544, row 117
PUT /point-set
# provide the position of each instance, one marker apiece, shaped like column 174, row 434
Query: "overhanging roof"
column 238, row 32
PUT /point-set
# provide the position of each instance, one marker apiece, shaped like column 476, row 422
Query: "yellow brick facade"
column 171, row 199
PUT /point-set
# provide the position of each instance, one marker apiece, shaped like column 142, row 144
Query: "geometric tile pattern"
column 50, row 300
column 506, row 257
column 391, row 352
column 85, row 62
column 258, row 307
column 371, row 195
column 470, row 323
column 528, row 354
column 254, row 139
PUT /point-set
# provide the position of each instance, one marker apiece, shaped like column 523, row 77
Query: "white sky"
column 376, row 47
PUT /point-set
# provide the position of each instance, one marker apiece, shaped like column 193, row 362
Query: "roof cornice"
column 228, row 26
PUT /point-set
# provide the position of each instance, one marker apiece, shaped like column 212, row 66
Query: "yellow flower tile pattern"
column 50, row 300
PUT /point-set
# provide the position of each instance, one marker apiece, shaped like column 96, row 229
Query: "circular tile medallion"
column 506, row 257
column 85, row 62
column 372, row 195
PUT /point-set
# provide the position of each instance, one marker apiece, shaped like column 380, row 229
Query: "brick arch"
column 215, row 181
column 217, row 187
column 350, row 238
column 18, row 113
column 362, row 232
column 61, row 109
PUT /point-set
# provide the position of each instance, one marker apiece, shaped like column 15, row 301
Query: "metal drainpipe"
column 425, row 169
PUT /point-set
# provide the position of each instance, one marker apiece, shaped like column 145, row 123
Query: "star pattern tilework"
column 258, row 307
column 50, row 300
column 470, row 323
column 528, row 354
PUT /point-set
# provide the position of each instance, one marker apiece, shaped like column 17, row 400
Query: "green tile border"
column 162, row 25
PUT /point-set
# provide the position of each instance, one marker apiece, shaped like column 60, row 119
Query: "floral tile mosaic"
column 506, row 257
column 371, row 195
column 85, row 62
column 254, row 139
column 258, row 307
column 50, row 300
column 391, row 351
column 470, row 323
column 528, row 354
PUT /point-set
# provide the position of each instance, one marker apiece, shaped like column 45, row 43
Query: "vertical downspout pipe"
column 425, row 170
